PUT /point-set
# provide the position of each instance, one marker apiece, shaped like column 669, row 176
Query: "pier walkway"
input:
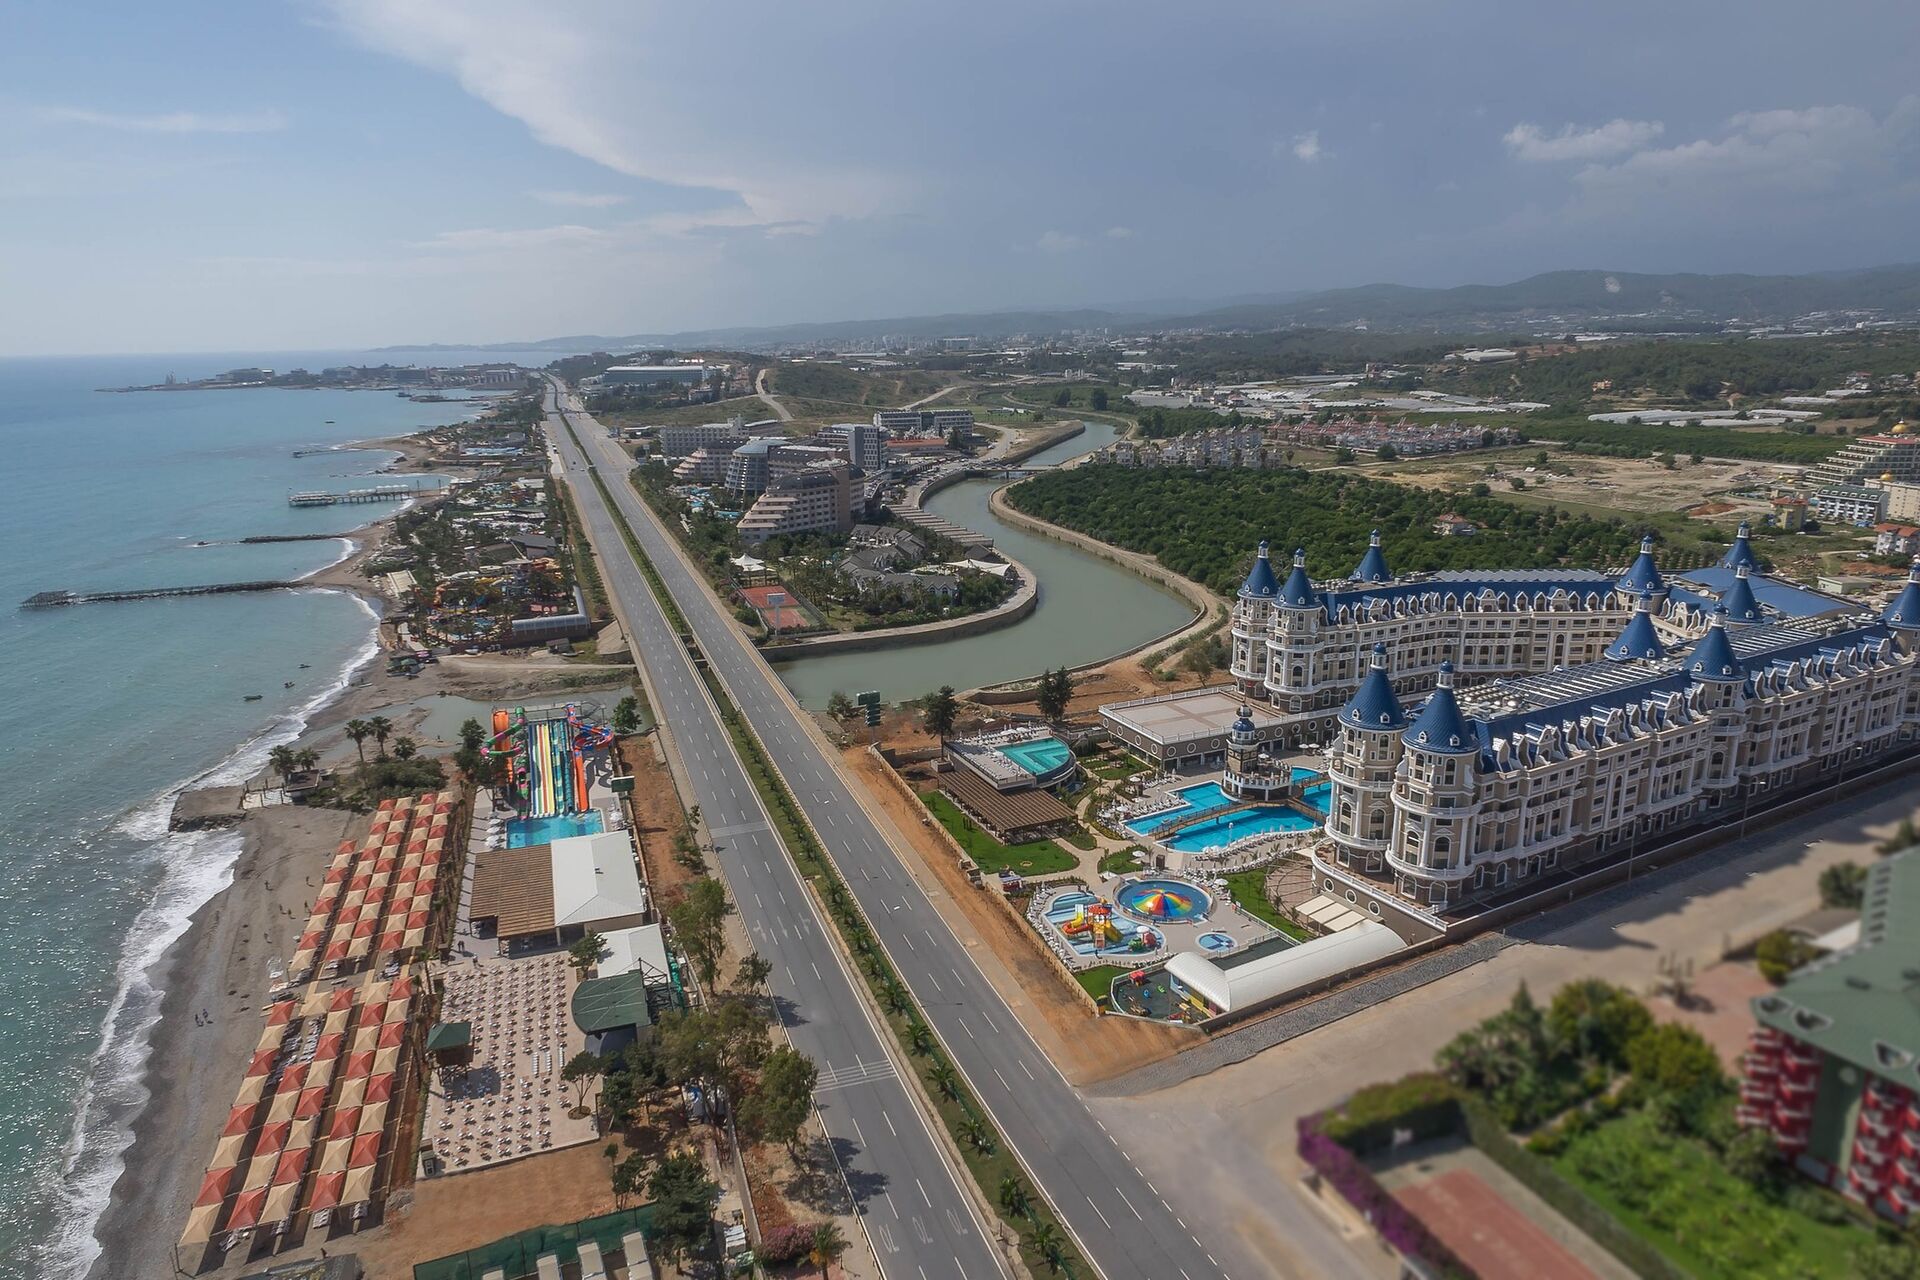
column 52, row 599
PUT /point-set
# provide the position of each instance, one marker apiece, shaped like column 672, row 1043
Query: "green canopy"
column 449, row 1035
column 606, row 1004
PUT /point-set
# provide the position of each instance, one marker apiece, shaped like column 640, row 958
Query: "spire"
column 1740, row 554
column 1260, row 583
column 1904, row 612
column 1440, row 727
column 1713, row 658
column 1373, row 705
column 1298, row 591
column 1739, row 602
column 1373, row 566
column 1644, row 575
column 1638, row 639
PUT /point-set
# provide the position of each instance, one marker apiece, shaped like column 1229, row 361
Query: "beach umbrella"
column 393, row 1033
column 415, row 938
column 366, row 1151
column 312, row 1102
column 346, row 1123
column 333, row 1156
column 270, row 1037
column 260, row 1172
column 262, row 1061
column 329, row 1047
column 337, row 1022
column 402, row 988
column 326, row 1190
column 302, row 1135
column 314, row 935
column 342, row 1000
column 373, row 1118
column 417, row 919
column 380, row 1087
column 273, row 1138
column 359, row 1067
column 336, row 951
column 280, row 1198
column 391, row 941
column 226, row 1152
column 386, row 1060
column 302, row 960
column 278, row 1012
column 200, row 1224
column 247, row 1208
column 359, row 1186
column 283, row 1106
column 359, row 947
column 240, row 1119
column 291, row 1167
column 294, row 1078
column 215, row 1187
column 321, row 1073
column 386, row 806
column 251, row 1089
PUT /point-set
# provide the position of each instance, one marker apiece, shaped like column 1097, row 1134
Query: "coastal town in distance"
column 995, row 642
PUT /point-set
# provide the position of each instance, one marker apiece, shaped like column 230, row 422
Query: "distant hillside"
column 1618, row 299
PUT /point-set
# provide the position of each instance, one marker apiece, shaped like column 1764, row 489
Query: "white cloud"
column 1058, row 242
column 168, row 121
column 1616, row 137
column 1119, row 233
column 579, row 199
column 1818, row 149
column 1306, row 147
column 512, row 239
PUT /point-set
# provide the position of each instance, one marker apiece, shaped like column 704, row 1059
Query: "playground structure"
column 546, row 754
column 1092, row 922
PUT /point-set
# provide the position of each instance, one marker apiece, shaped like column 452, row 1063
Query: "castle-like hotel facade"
column 1610, row 712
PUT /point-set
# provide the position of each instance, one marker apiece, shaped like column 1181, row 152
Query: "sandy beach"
column 219, row 966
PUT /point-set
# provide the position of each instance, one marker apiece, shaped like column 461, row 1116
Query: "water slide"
column 579, row 781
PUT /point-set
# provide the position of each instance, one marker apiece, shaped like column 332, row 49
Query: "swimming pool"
column 1119, row 935
column 1216, row 942
column 522, row 832
column 1158, row 899
column 1315, row 796
column 1038, row 756
column 1194, row 801
column 1218, row 833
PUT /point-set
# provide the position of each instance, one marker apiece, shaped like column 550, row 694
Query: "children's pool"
column 522, row 832
column 1194, row 801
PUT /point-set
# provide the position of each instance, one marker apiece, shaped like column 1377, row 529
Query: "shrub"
column 1674, row 1060
column 1779, row 953
column 1355, row 1183
column 1423, row 1103
column 1548, row 1142
column 788, row 1243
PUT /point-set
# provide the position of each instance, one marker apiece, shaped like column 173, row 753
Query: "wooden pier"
column 54, row 599
column 377, row 493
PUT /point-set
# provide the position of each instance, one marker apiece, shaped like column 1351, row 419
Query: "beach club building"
column 545, row 894
column 1833, row 1069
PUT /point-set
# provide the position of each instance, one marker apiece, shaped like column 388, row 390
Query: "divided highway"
column 1123, row 1223
column 922, row 1224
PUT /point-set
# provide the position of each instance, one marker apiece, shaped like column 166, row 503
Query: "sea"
column 109, row 710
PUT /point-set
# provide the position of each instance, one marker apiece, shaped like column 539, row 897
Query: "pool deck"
column 1177, row 935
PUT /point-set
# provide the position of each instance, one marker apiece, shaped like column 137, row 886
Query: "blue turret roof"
column 1243, row 723
column 1644, row 575
column 1739, row 602
column 1373, row 565
column 1904, row 612
column 1740, row 554
column 1373, row 705
column 1638, row 639
column 1260, row 583
column 1440, row 727
column 1298, row 590
column 1713, row 658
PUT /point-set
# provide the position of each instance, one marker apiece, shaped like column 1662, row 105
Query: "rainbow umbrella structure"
column 1164, row 904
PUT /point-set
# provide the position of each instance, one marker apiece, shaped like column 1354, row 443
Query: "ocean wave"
column 197, row 866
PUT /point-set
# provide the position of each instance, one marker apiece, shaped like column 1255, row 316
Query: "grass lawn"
column 1032, row 858
column 1098, row 981
column 1120, row 863
column 1672, row 1193
column 1118, row 771
column 1080, row 838
column 1249, row 889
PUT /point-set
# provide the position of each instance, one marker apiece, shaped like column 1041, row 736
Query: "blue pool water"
column 1222, row 831
column 522, row 832
column 1195, row 800
column 1315, row 796
column 1039, row 757
column 1216, row 942
column 1063, row 909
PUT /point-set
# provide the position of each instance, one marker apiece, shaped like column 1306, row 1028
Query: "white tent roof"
column 1281, row 972
column 644, row 948
column 595, row 879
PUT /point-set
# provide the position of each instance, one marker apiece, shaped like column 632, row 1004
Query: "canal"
column 1089, row 609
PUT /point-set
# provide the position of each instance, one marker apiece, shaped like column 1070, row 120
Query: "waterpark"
column 552, row 760
column 1019, row 758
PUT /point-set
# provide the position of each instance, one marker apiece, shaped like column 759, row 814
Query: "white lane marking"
column 923, row 1192
column 888, row 1197
column 1002, row 1079
column 1123, row 1200
column 1024, row 1067
column 1103, row 1217
column 964, row 1027
column 816, row 970
column 790, row 979
column 856, row 1130
column 935, row 979
column 889, row 1119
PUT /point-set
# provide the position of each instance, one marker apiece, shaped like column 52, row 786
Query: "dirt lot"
column 1084, row 1046
column 1629, row 484
column 657, row 817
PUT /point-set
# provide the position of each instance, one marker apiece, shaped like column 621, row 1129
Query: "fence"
column 518, row 1255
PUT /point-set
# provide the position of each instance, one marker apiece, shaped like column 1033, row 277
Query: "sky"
column 303, row 174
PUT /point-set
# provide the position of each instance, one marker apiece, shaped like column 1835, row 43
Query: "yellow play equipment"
column 1095, row 921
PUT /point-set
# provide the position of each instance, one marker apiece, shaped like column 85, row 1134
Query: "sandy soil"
column 219, row 967
column 1085, row 1046
column 1633, row 484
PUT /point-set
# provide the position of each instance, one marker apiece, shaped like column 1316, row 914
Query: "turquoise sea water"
column 110, row 708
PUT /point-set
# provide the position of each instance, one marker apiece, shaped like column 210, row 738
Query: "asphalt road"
column 1122, row 1222
column 922, row 1224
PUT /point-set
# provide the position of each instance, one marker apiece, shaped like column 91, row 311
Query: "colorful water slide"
column 579, row 781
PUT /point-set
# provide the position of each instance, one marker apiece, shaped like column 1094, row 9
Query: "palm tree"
column 405, row 748
column 975, row 1133
column 306, row 759
column 945, row 1080
column 282, row 760
column 359, row 731
column 895, row 998
column 380, row 727
column 1014, row 1198
column 919, row 1039
column 1046, row 1243
column 828, row 1244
